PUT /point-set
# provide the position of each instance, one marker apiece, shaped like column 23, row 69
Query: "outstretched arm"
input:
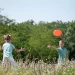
column 49, row 46
column 22, row 49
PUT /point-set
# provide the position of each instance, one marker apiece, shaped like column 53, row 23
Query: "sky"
column 38, row 10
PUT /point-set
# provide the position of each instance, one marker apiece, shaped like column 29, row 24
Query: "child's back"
column 7, row 49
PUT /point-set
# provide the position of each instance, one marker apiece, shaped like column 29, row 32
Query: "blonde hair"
column 61, row 41
column 7, row 37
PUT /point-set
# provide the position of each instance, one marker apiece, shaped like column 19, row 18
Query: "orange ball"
column 57, row 33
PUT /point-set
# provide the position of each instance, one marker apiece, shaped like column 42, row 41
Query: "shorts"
column 9, row 61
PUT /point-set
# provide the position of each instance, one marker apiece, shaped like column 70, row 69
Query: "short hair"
column 61, row 41
column 7, row 37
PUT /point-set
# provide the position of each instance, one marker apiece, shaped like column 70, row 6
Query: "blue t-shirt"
column 7, row 49
column 62, row 54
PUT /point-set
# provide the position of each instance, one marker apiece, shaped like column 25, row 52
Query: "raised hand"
column 49, row 46
column 22, row 49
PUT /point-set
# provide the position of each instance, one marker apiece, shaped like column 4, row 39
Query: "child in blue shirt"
column 8, row 48
column 62, row 51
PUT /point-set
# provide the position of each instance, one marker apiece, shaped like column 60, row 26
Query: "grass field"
column 39, row 68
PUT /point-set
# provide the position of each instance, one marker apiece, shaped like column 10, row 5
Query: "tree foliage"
column 36, row 37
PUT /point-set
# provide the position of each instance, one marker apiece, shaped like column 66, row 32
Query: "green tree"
column 69, row 38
